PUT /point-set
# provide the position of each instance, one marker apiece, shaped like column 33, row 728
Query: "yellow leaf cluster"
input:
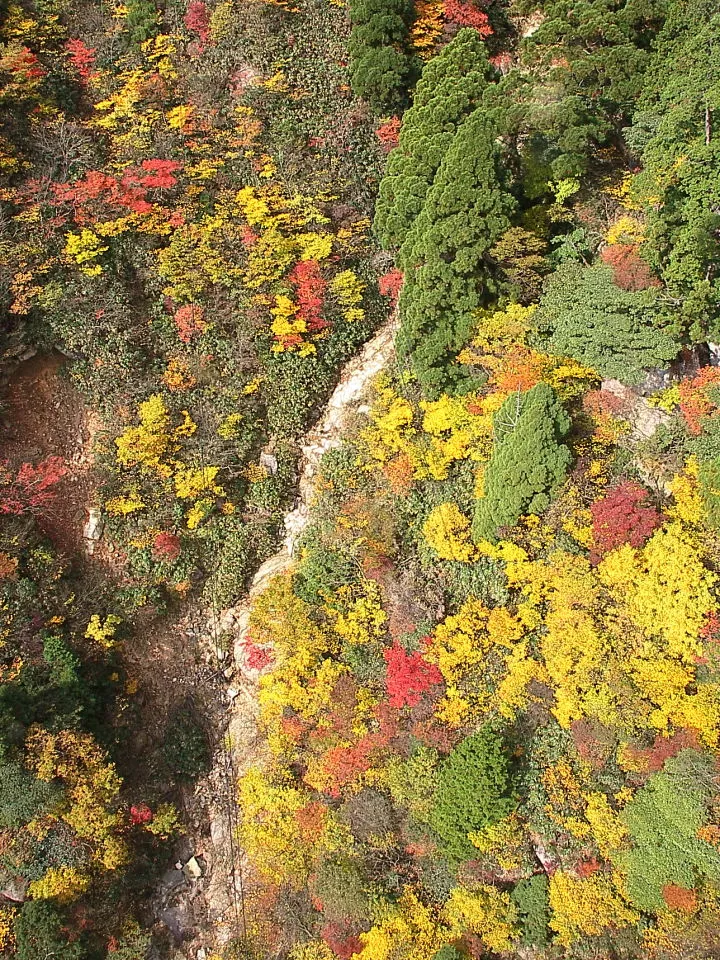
column 447, row 532
column 586, row 907
column 484, row 911
column 409, row 931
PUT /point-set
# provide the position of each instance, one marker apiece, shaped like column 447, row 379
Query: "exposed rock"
column 192, row 869
column 221, row 887
column 328, row 432
column 15, row 890
column 269, row 461
column 645, row 419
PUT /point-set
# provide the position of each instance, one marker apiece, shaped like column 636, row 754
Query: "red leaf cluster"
column 311, row 820
column 467, row 15
column 197, row 20
column 310, row 289
column 257, row 658
column 26, row 64
column 388, row 133
column 166, row 546
column 652, row 759
column 390, row 284
column 140, row 814
column 341, row 940
column 696, row 400
column 190, row 322
column 586, row 868
column 599, row 403
column 629, row 270
column 409, row 676
column 97, row 191
column 31, row 488
column 679, row 898
column 82, row 58
column 622, row 516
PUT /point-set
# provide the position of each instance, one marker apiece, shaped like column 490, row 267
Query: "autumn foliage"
column 630, row 271
column 409, row 676
column 31, row 487
column 623, row 515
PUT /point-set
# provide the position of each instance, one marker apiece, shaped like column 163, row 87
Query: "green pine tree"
column 448, row 91
column 444, row 256
column 473, row 792
column 380, row 64
column 528, row 460
column 585, row 315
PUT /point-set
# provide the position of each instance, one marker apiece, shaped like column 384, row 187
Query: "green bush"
column 528, row 461
column 22, row 797
column 585, row 315
column 663, row 818
column 380, row 67
column 531, row 898
column 40, row 934
column 473, row 791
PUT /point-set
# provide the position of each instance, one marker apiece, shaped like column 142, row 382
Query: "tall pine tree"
column 448, row 91
column 528, row 461
column 448, row 273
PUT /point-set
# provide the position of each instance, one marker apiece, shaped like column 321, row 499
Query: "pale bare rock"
column 328, row 432
column 242, row 746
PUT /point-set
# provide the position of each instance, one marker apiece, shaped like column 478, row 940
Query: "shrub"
column 585, row 315
column 39, row 933
column 186, row 750
column 663, row 818
column 622, row 516
column 528, row 461
column 531, row 898
column 472, row 792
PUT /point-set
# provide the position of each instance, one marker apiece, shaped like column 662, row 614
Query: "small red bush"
column 409, row 676
column 622, row 516
column 629, row 269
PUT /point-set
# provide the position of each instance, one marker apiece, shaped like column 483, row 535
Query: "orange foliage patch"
column 678, row 898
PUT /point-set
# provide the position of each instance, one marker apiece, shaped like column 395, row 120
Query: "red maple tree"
column 629, row 270
column 166, row 546
column 622, row 516
column 197, row 20
column 388, row 133
column 31, row 487
column 409, row 676
column 310, row 289
column 467, row 15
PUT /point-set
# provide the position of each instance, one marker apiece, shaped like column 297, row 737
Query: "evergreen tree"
column 39, row 934
column 677, row 131
column 380, row 67
column 589, row 59
column 585, row 315
column 472, row 792
column 528, row 461
column 448, row 91
column 447, row 277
